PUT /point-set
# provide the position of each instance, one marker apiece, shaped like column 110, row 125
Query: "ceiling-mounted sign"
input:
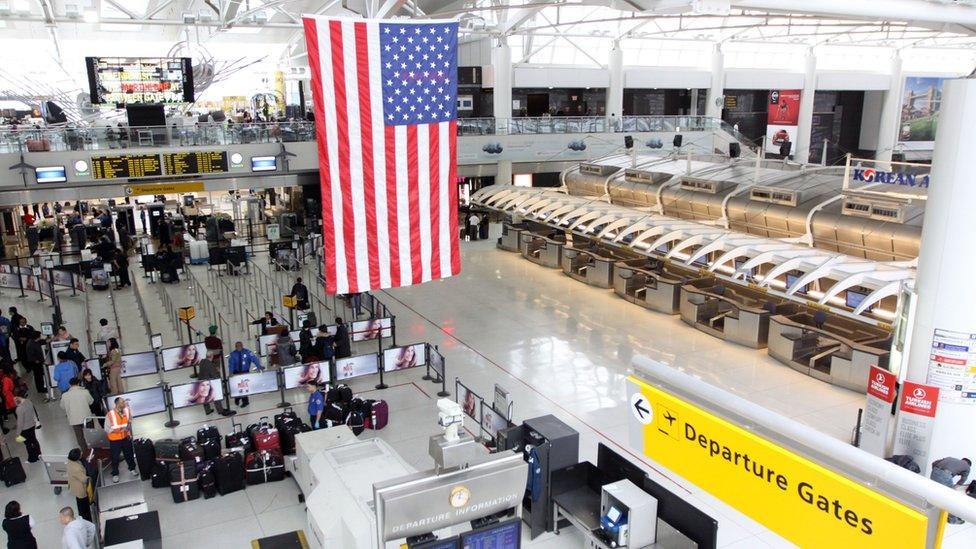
column 797, row 498
column 126, row 165
column 181, row 163
column 164, row 188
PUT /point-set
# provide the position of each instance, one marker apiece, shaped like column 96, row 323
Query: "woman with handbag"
column 78, row 483
column 26, row 425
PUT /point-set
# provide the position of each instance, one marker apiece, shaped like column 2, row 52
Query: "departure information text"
column 182, row 163
column 128, row 165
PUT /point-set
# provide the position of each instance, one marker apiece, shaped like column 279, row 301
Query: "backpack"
column 905, row 462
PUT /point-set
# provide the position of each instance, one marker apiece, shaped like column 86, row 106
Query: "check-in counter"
column 511, row 237
column 591, row 263
column 733, row 313
column 838, row 350
column 543, row 249
column 651, row 283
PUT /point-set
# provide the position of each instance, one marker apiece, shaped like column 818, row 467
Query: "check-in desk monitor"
column 449, row 543
column 504, row 535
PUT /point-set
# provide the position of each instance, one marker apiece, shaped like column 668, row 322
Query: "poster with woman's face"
column 401, row 358
column 363, row 365
column 468, row 401
column 366, row 330
column 199, row 392
column 183, row 356
column 313, row 372
column 138, row 364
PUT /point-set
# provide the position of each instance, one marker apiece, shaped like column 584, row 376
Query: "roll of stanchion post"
column 380, row 366
column 426, row 376
column 443, row 392
column 280, row 376
column 169, row 407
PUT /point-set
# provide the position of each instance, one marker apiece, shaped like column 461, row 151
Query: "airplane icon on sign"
column 669, row 417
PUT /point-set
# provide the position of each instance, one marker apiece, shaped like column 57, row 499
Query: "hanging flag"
column 385, row 95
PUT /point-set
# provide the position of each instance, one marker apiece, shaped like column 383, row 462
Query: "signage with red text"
column 917, row 407
column 876, row 421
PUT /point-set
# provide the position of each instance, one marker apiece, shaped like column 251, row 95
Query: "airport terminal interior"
column 487, row 274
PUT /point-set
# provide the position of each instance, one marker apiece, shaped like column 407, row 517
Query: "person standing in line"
column 95, row 388
column 22, row 333
column 34, row 359
column 300, row 291
column 120, row 438
column 142, row 219
column 18, row 528
column 113, row 365
column 26, row 426
column 945, row 471
column 73, row 354
column 208, row 369
column 240, row 362
column 5, row 327
column 78, row 483
column 77, row 403
column 8, row 387
column 343, row 347
column 78, row 532
column 316, row 405
column 212, row 342
column 64, row 372
column 106, row 332
column 122, row 268
column 284, row 354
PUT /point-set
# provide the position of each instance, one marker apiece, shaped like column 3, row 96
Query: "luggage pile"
column 344, row 408
column 196, row 466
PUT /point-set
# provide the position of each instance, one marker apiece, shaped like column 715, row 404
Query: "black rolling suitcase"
column 207, row 479
column 211, row 448
column 239, row 439
column 12, row 471
column 208, row 432
column 264, row 466
column 145, row 456
column 288, row 426
column 160, row 474
column 229, row 473
column 183, row 481
column 190, row 450
column 167, row 449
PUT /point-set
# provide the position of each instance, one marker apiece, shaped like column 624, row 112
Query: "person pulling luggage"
column 119, row 429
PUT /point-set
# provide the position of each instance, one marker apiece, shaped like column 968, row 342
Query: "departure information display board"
column 127, row 165
column 182, row 163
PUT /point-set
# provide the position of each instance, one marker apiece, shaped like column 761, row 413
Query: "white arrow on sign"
column 641, row 408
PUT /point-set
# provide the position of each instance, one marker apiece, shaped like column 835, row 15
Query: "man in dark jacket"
column 22, row 334
column 208, row 369
column 324, row 345
column 265, row 322
column 74, row 354
column 300, row 291
column 343, row 347
column 306, row 344
column 34, row 359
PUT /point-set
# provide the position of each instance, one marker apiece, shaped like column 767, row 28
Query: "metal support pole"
column 189, row 341
column 169, row 408
column 379, row 360
column 281, row 389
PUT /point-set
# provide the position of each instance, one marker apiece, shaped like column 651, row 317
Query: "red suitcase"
column 378, row 415
column 266, row 438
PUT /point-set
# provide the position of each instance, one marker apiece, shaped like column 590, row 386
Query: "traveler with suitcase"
column 316, row 405
column 119, row 429
column 78, row 483
column 18, row 528
column 240, row 362
column 26, row 426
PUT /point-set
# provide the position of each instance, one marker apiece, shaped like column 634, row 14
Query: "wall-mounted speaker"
column 628, row 142
column 785, row 148
column 734, row 150
column 677, row 140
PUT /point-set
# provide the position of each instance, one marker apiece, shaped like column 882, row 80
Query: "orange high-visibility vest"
column 118, row 420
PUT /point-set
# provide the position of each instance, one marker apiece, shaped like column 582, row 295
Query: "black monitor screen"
column 504, row 535
column 854, row 299
column 791, row 280
column 450, row 543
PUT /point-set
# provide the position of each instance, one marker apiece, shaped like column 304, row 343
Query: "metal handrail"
column 142, row 309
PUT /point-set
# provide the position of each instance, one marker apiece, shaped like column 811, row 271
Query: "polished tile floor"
column 557, row 345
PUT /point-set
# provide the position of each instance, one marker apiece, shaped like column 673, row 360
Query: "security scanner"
column 652, row 283
column 546, row 444
column 735, row 313
column 127, row 213
column 310, row 444
column 543, row 249
column 511, row 237
column 591, row 263
column 614, row 504
column 156, row 213
column 829, row 347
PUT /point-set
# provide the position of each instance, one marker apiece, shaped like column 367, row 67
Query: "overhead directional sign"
column 791, row 495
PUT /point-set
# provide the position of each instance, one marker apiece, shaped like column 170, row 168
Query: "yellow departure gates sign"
column 798, row 499
column 186, row 314
column 164, row 188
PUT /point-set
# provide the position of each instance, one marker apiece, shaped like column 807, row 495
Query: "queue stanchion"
column 443, row 374
column 426, row 376
column 225, row 381
column 281, row 389
column 392, row 329
column 380, row 366
column 169, row 407
column 20, row 279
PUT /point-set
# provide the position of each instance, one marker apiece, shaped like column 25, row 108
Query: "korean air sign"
column 871, row 175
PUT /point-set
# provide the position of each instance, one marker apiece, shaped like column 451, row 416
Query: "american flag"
column 385, row 97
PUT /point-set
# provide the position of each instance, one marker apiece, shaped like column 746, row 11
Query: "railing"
column 210, row 309
column 142, row 310
column 222, row 133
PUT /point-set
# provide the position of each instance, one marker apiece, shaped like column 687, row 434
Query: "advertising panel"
column 93, row 365
column 877, row 411
column 198, row 392
column 313, row 372
column 183, row 356
column 492, row 421
column 469, row 401
column 142, row 402
column 139, row 364
column 355, row 366
column 917, row 406
column 782, row 118
column 795, row 497
column 366, row 330
column 921, row 100
column 253, row 383
column 402, row 358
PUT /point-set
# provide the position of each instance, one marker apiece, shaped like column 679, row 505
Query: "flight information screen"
column 122, row 80
column 127, row 165
column 182, row 163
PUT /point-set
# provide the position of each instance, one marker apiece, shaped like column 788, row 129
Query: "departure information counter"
column 182, row 163
column 127, row 165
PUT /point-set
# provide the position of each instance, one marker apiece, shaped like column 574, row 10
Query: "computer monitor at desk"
column 504, row 535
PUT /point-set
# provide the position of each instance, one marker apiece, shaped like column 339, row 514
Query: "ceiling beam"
column 121, row 8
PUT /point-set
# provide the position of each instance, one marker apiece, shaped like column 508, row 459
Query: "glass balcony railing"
column 218, row 134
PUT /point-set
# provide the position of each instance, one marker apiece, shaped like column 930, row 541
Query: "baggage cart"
column 56, row 468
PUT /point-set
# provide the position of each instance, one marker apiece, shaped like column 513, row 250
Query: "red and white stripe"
column 389, row 200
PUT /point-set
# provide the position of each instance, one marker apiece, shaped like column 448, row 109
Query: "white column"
column 615, row 91
column 946, row 292
column 890, row 113
column 805, row 123
column 501, row 61
column 503, row 175
column 693, row 111
column 716, row 91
